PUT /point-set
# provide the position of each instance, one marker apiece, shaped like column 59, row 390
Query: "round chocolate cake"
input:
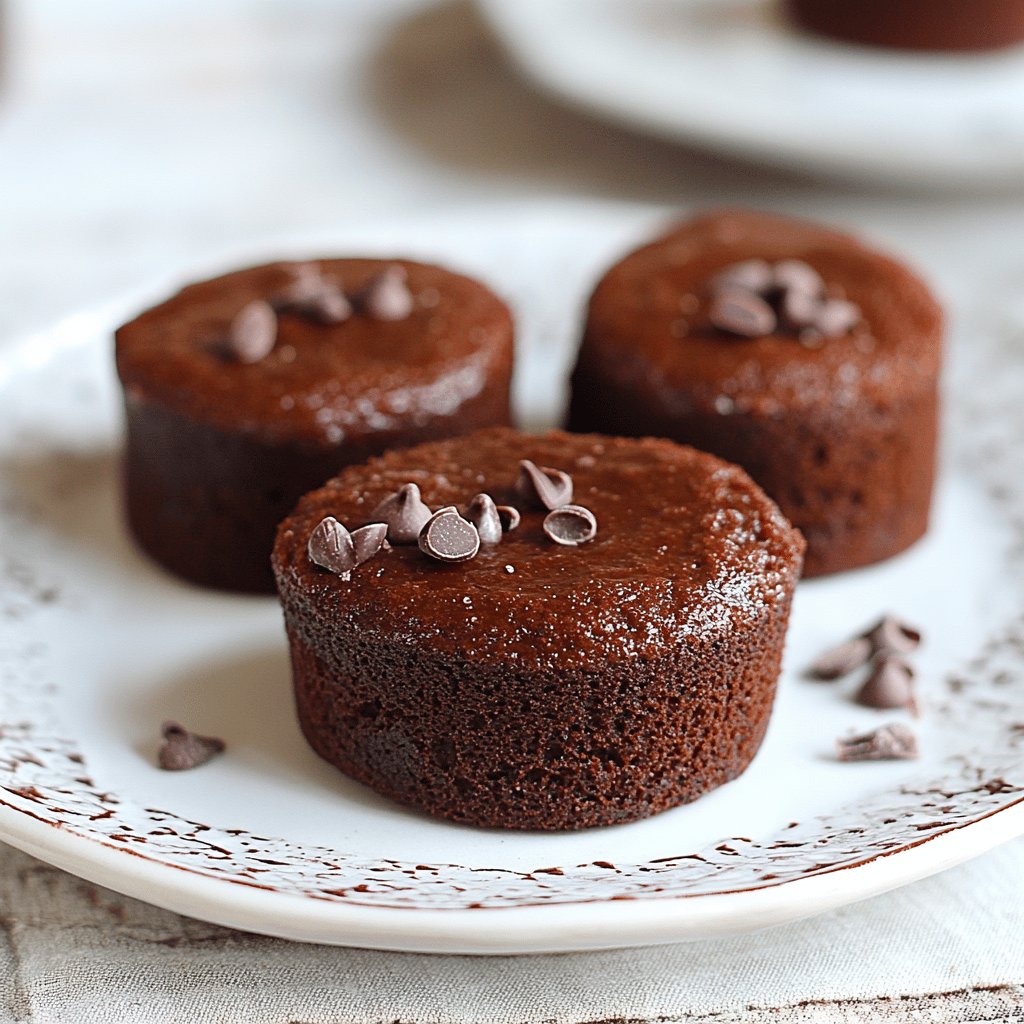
column 950, row 25
column 562, row 631
column 789, row 348
column 246, row 391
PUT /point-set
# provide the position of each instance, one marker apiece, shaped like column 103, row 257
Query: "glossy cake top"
column 687, row 547
column 651, row 319
column 320, row 382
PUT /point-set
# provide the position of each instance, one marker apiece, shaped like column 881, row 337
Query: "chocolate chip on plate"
column 448, row 537
column 894, row 636
column 842, row 659
column 894, row 742
column 404, row 513
column 571, row 525
column 543, row 486
column 182, row 749
column 890, row 684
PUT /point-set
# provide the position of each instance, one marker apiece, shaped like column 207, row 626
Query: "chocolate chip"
column 314, row 296
column 386, row 295
column 842, row 659
column 329, row 307
column 368, row 540
column 540, row 485
column 892, row 635
column 509, row 517
column 182, row 750
column 890, row 684
column 252, row 333
column 743, row 313
column 797, row 276
column 483, row 514
column 448, row 537
column 306, row 284
column 799, row 309
column 571, row 525
column 331, row 547
column 404, row 513
column 750, row 275
column 894, row 742
column 837, row 317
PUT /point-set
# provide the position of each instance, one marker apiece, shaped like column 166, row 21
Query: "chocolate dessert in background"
column 936, row 25
column 246, row 391
column 789, row 348
column 559, row 631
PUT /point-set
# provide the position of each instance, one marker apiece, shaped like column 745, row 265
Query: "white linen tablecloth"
column 137, row 137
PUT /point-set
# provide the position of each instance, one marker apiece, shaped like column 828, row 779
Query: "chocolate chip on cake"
column 331, row 547
column 448, row 537
column 252, row 333
column 483, row 514
column 509, row 517
column 570, row 525
column 738, row 311
column 404, row 513
column 386, row 296
column 368, row 540
column 542, row 486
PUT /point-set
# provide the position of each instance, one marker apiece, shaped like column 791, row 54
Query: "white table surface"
column 136, row 137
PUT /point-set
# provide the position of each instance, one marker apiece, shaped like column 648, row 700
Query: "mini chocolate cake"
column 791, row 349
column 246, row 391
column 950, row 25
column 588, row 631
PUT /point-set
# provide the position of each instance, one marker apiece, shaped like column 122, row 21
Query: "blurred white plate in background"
column 733, row 76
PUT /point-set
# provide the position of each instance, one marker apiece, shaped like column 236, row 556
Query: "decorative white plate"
column 98, row 647
column 732, row 75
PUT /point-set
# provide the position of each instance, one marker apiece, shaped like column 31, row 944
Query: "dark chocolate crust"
column 219, row 452
column 950, row 25
column 588, row 685
column 843, row 437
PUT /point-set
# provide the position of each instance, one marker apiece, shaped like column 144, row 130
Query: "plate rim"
column 499, row 931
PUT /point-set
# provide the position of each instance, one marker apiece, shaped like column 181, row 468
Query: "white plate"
column 734, row 76
column 98, row 647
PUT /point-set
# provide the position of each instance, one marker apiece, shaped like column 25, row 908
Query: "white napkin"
column 948, row 948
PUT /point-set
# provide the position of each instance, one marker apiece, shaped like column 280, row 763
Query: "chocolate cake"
column 950, row 25
column 588, row 631
column 246, row 391
column 789, row 348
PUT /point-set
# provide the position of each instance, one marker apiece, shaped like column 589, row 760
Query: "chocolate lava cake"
column 246, row 391
column 561, row 631
column 789, row 348
column 950, row 25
